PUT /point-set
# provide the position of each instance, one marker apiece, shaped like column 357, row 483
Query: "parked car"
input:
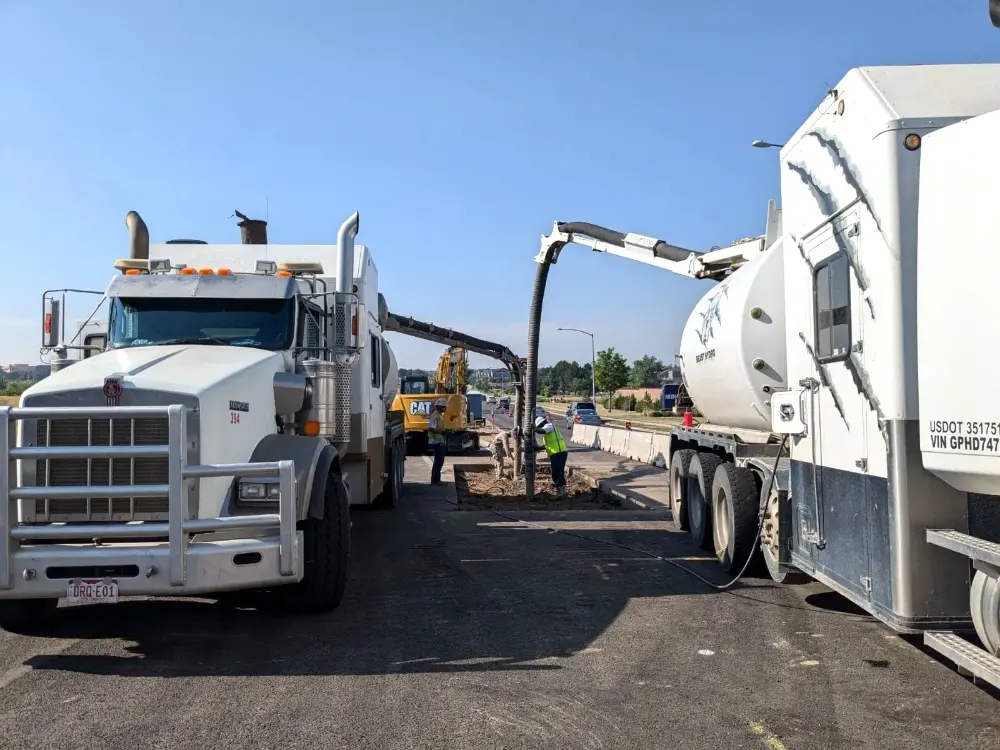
column 585, row 416
column 505, row 402
column 575, row 406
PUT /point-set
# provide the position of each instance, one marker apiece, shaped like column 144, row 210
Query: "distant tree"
column 481, row 382
column 611, row 371
column 16, row 387
column 566, row 378
column 646, row 372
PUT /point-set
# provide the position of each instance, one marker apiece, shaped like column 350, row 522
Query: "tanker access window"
column 376, row 352
column 832, row 301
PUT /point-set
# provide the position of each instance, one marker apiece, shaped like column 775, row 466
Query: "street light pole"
column 593, row 361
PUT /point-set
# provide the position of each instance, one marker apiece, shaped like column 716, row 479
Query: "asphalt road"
column 467, row 630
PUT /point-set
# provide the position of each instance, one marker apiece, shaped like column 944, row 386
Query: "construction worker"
column 499, row 451
column 551, row 440
column 437, row 439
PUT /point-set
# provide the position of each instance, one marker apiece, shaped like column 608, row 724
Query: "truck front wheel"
column 327, row 553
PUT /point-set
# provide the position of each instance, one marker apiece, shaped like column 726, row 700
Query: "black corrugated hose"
column 603, row 234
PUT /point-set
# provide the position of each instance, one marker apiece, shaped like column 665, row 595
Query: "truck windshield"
column 152, row 321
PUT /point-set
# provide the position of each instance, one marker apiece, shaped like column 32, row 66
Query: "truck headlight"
column 261, row 492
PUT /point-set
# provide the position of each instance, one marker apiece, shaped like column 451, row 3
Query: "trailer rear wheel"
column 23, row 615
column 735, row 506
column 699, row 490
column 770, row 539
column 327, row 553
column 680, row 464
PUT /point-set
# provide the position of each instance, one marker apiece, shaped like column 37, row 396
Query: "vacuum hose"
column 531, row 373
column 661, row 249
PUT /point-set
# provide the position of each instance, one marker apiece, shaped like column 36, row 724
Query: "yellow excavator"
column 416, row 400
column 416, row 396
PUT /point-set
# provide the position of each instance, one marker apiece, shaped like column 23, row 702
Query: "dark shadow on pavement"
column 431, row 591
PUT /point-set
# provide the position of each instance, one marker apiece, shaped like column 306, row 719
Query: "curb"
column 628, row 497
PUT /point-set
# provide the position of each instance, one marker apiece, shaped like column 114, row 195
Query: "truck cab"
column 236, row 411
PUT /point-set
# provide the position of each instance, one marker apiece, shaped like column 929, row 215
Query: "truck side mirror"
column 50, row 323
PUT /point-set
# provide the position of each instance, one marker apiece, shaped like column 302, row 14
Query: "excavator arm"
column 451, row 376
column 452, row 338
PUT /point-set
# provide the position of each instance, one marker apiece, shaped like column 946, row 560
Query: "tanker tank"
column 733, row 346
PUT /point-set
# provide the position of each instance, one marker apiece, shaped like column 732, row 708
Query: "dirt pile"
column 479, row 489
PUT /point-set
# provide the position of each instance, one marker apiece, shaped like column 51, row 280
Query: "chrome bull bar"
column 177, row 529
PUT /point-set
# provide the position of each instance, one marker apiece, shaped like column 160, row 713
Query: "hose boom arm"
column 715, row 264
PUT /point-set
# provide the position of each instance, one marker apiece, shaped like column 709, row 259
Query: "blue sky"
column 459, row 129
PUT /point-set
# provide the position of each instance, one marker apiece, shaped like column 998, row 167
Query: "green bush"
column 654, row 413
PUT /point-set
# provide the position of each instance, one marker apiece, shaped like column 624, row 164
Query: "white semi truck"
column 844, row 364
column 210, row 436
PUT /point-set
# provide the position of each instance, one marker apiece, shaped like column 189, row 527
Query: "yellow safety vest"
column 435, row 428
column 553, row 442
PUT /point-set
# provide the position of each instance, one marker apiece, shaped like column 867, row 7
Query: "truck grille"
column 63, row 472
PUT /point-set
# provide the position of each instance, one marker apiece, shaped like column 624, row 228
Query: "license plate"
column 92, row 591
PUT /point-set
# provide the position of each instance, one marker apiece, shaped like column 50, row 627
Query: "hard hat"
column 540, row 421
column 441, row 402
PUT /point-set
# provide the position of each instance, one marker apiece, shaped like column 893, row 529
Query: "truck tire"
column 386, row 499
column 327, row 552
column 774, row 515
column 400, row 467
column 24, row 615
column 680, row 464
column 735, row 516
column 701, row 474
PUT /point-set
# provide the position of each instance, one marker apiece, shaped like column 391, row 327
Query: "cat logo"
column 421, row 407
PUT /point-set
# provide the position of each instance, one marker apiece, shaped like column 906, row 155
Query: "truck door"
column 830, row 487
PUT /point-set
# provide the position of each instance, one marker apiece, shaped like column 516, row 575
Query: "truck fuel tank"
column 733, row 345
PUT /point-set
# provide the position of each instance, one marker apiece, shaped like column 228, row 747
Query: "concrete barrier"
column 637, row 445
column 640, row 446
column 584, row 434
column 603, row 439
column 619, row 441
column 660, row 452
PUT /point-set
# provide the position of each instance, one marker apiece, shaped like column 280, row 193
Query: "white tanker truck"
column 853, row 426
column 210, row 436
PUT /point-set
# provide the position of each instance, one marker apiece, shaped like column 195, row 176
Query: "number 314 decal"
column 234, row 417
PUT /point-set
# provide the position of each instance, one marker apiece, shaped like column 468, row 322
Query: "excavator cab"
column 415, row 385
column 416, row 400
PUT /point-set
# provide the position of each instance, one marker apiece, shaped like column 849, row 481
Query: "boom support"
column 715, row 264
column 452, row 338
